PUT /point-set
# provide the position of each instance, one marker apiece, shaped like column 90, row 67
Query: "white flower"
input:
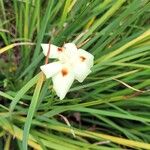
column 72, row 64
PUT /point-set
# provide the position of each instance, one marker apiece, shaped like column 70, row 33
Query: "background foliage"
column 110, row 109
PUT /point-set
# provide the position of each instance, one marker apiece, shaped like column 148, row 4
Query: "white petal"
column 53, row 50
column 63, row 81
column 81, row 71
column 69, row 54
column 89, row 58
column 51, row 69
column 70, row 51
column 70, row 46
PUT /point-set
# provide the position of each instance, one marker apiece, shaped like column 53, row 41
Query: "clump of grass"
column 110, row 110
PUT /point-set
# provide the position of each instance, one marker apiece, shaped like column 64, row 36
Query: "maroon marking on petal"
column 60, row 49
column 82, row 58
column 64, row 72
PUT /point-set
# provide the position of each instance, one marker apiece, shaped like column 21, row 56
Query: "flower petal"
column 71, row 50
column 71, row 47
column 86, row 57
column 63, row 81
column 81, row 71
column 69, row 54
column 51, row 69
column 54, row 52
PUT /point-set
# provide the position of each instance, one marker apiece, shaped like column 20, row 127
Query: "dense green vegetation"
column 110, row 109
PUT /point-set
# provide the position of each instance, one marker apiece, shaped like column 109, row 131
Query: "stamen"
column 82, row 58
column 64, row 72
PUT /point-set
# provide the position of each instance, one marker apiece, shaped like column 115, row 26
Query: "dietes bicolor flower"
column 72, row 64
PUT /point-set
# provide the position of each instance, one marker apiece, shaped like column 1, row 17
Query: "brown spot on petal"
column 60, row 49
column 82, row 58
column 64, row 72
